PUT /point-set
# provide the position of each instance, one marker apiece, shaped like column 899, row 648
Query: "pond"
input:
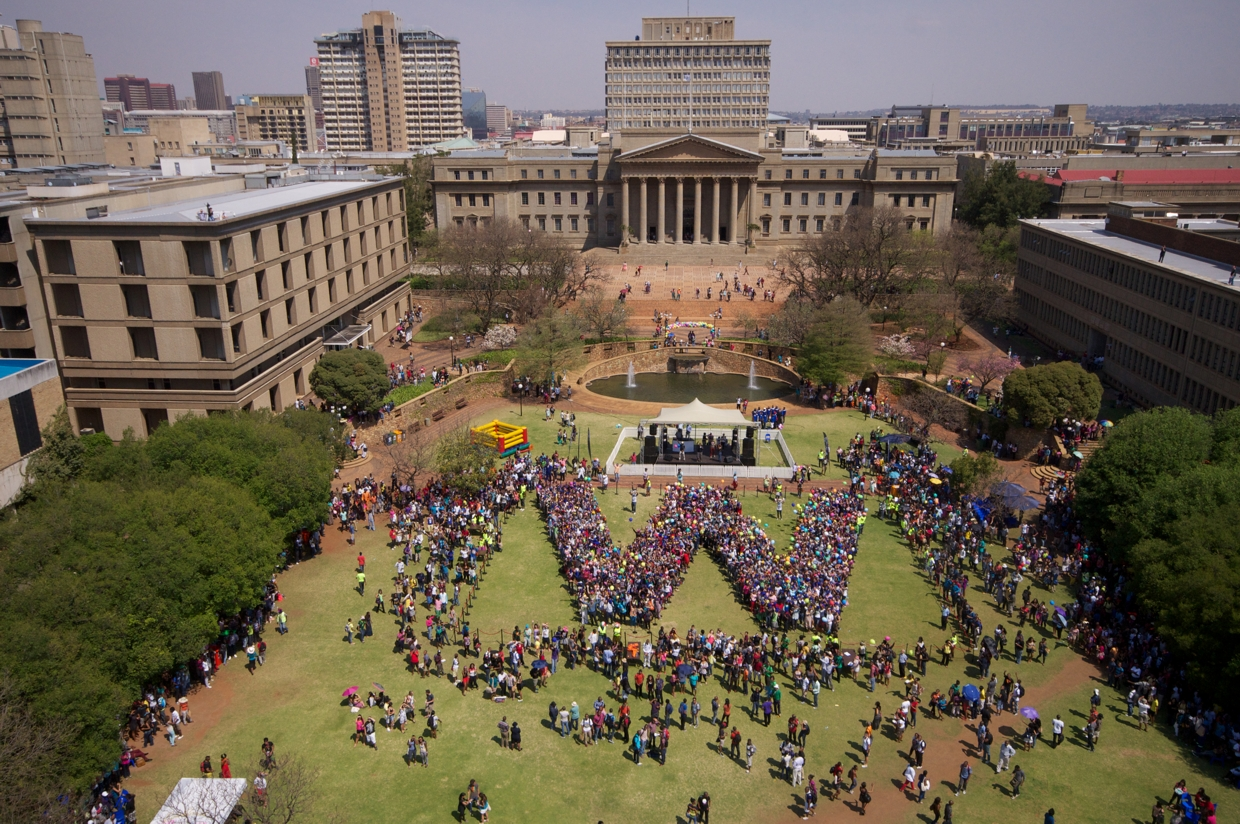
column 673, row 387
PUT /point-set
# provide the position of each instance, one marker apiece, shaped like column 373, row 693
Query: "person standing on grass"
column 515, row 742
column 910, row 778
column 411, row 751
column 1018, row 778
column 965, row 772
column 923, row 786
column 936, row 807
column 866, row 742
column 750, row 752
column 423, row 753
column 1056, row 731
column 864, row 797
column 504, row 731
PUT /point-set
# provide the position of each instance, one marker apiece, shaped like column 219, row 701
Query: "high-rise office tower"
column 474, row 112
column 313, row 87
column 388, row 89
column 139, row 93
column 209, row 90
column 163, row 96
column 688, row 71
column 49, row 101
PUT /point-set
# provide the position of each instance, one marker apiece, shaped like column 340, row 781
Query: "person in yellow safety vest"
column 860, row 523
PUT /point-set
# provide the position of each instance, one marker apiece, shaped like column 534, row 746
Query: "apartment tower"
column 209, row 90
column 388, row 89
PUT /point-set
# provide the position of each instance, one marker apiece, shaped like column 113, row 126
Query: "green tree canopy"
column 462, row 464
column 1044, row 394
column 1001, row 197
column 353, row 378
column 839, row 344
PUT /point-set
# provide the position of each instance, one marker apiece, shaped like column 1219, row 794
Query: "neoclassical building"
column 692, row 159
column 654, row 187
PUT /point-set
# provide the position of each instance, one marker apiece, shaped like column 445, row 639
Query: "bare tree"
column 292, row 795
column 988, row 367
column 558, row 273
column 935, row 407
column 794, row 321
column 203, row 801
column 34, row 752
column 411, row 456
column 481, row 259
column 873, row 253
column 957, row 255
column 601, row 313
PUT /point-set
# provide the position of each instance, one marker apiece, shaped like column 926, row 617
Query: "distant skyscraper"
column 139, row 93
column 388, row 89
column 474, row 112
column 61, row 124
column 313, row 87
column 286, row 117
column 209, row 90
column 499, row 118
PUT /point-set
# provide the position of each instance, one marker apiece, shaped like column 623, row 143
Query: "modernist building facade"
column 1064, row 128
column 687, row 72
column 287, row 117
column 49, row 102
column 217, row 302
column 389, row 89
column 678, row 189
column 1167, row 327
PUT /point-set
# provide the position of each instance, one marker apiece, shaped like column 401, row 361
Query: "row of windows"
column 1133, row 278
column 1134, row 320
column 837, row 198
column 896, row 200
column 539, row 174
column 689, row 51
column 1215, row 357
column 557, row 199
column 1204, row 399
column 1056, row 317
column 1218, row 309
column 557, row 224
column 1139, row 363
column 974, row 130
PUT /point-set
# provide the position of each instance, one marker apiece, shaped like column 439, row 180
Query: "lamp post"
column 452, row 351
column 520, row 398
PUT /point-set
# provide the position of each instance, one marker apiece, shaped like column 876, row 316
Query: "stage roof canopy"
column 700, row 414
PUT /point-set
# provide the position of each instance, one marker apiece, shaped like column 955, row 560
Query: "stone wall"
column 718, row 361
column 421, row 411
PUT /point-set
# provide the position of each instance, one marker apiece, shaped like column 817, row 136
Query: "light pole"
column 520, row 399
column 452, row 351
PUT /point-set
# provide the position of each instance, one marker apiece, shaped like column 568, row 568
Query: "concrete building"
column 1063, row 128
column 1204, row 193
column 176, row 136
column 221, row 301
column 209, row 90
column 314, row 87
column 1165, row 325
column 164, row 97
column 1184, row 139
column 33, row 394
column 49, row 99
column 287, row 117
column 499, row 118
column 221, row 124
column 140, row 93
column 474, row 113
column 130, row 149
column 687, row 72
column 388, row 89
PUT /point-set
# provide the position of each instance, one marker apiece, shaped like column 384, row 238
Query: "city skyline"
column 959, row 53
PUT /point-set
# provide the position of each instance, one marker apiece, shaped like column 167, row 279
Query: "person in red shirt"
column 361, row 562
column 225, row 767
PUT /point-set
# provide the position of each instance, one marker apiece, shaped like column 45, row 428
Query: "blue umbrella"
column 896, row 438
column 1007, row 489
column 1024, row 502
column 971, row 692
column 893, row 475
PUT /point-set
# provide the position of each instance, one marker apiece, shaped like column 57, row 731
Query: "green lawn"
column 295, row 699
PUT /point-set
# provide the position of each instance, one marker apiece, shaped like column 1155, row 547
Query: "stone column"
column 625, row 217
column 661, row 236
column 697, row 210
column 641, row 230
column 678, row 229
column 753, row 204
column 733, row 209
column 714, row 208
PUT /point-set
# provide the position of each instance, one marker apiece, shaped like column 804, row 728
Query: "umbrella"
column 1107, row 424
column 971, row 692
column 931, row 474
column 895, row 438
column 349, row 692
column 893, row 474
column 377, row 686
column 1077, row 454
column 684, row 670
column 1008, row 489
column 538, row 666
column 935, row 481
column 946, row 469
column 1024, row 502
column 1029, row 712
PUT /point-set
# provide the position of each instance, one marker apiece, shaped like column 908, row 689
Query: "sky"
column 826, row 55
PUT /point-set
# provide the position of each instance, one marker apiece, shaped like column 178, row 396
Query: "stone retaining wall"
column 421, row 411
column 718, row 360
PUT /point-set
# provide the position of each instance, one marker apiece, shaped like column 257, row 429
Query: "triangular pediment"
column 690, row 147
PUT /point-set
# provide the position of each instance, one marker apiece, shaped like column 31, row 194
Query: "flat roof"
column 226, row 206
column 11, row 366
column 1094, row 233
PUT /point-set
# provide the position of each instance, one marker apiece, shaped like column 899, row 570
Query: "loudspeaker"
column 749, row 432
column 747, row 452
column 650, row 453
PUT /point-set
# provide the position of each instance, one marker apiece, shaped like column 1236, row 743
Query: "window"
column 787, row 225
column 237, row 334
column 456, row 174
column 331, row 291
column 329, row 256
column 912, row 175
column 230, row 295
column 766, row 225
column 471, row 175
column 348, row 282
column 129, row 257
column 313, row 295
column 556, row 195
column 766, row 174
column 572, row 198
column 75, row 342
column 305, row 227
column 818, row 225
column 556, row 174
column 611, row 199
column 137, row 302
column 525, row 174
column 855, row 200
column 26, row 422
column 143, row 340
column 542, row 224
column 198, row 256
column 458, row 199
column 211, row 343
column 589, row 199
column 473, row 201
column 542, row 199
column 260, row 283
column 256, row 236
column 484, row 174
column 857, row 174
column 67, row 299
column 486, row 201
column 226, row 255
column 611, row 227
column 308, row 262
column 924, row 224
column 803, row 224
column 787, row 198
column 804, row 198
column 899, row 174
column 912, row 201
column 766, row 200
column 525, row 198
column 540, row 174
column 822, row 198
column 787, row 174
column 282, row 236
column 822, row 174
column 839, row 198
column 264, row 322
column 589, row 225
column 206, row 301
column 290, row 312
column 925, row 201
column 559, row 224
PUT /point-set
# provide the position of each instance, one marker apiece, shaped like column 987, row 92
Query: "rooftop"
column 1094, row 233
column 227, row 206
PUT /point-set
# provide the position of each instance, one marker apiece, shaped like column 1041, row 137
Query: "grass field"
column 295, row 700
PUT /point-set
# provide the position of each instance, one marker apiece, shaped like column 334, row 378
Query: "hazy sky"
column 826, row 55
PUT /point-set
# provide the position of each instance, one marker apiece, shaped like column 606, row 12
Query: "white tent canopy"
column 201, row 801
column 700, row 414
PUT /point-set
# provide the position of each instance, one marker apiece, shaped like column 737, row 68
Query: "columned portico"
column 717, row 171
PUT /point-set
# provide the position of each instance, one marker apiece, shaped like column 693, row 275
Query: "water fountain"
column 632, row 382
column 753, row 376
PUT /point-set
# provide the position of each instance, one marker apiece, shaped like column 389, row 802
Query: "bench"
column 438, row 415
column 462, row 403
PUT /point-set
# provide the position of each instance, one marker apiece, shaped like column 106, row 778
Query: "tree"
column 936, row 359
column 352, row 378
column 419, row 199
column 794, row 322
column 988, row 367
column 34, row 750
column 936, row 408
column 1001, row 197
column 461, row 463
column 839, row 345
column 1044, row 394
column 553, row 274
column 292, row 794
column 61, row 457
column 601, row 314
column 411, row 456
column 872, row 254
column 549, row 345
column 974, row 474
